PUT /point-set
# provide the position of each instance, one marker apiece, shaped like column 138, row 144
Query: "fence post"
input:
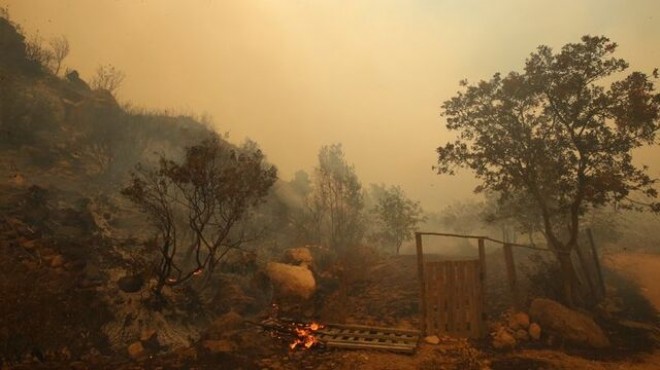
column 482, row 277
column 422, row 281
column 511, row 275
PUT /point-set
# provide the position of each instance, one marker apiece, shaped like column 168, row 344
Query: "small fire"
column 305, row 335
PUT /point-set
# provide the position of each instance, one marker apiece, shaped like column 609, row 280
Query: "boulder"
column 432, row 339
column 291, row 281
column 534, row 331
column 149, row 339
column 572, row 326
column 519, row 320
column 503, row 340
column 298, row 256
column 136, row 351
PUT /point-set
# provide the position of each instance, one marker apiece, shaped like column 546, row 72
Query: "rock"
column 521, row 335
column 573, row 327
column 519, row 320
column 149, row 339
column 503, row 340
column 130, row 283
column 57, row 261
column 147, row 334
column 136, row 351
column 219, row 346
column 534, row 331
column 293, row 281
column 432, row 339
column 298, row 256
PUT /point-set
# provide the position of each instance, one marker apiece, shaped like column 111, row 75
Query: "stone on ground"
column 136, row 351
column 572, row 326
column 503, row 340
column 292, row 281
column 432, row 339
column 519, row 320
column 534, row 331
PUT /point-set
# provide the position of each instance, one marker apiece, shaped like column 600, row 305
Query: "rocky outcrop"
column 569, row 325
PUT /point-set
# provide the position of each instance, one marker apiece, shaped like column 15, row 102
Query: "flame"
column 306, row 335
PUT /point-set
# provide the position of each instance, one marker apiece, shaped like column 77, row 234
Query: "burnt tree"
column 196, row 205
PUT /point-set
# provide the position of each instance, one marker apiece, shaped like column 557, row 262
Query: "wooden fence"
column 453, row 292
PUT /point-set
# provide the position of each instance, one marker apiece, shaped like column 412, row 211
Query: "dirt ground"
column 641, row 268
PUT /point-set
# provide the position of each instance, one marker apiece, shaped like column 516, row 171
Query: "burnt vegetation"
column 135, row 236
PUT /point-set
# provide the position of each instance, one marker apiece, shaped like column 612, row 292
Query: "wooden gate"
column 454, row 298
column 452, row 293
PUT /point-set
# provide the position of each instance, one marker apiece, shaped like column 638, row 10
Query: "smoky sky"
column 296, row 75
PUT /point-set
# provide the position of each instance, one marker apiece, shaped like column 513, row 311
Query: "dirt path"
column 641, row 268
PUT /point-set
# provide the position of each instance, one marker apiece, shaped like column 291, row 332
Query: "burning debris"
column 296, row 334
column 315, row 335
column 306, row 335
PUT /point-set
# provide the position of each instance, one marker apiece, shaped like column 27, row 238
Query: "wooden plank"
column 321, row 334
column 511, row 275
column 460, row 298
column 451, row 281
column 422, row 280
column 351, row 328
column 454, row 298
column 434, row 307
column 471, row 319
column 386, row 347
column 482, row 284
column 481, row 301
column 487, row 238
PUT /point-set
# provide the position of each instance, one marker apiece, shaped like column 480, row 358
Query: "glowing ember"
column 305, row 335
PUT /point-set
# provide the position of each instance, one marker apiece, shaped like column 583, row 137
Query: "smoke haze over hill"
column 294, row 76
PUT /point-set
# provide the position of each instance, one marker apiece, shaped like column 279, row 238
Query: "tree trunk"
column 572, row 292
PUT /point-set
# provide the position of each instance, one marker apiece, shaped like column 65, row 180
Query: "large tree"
column 197, row 205
column 337, row 200
column 397, row 216
column 561, row 131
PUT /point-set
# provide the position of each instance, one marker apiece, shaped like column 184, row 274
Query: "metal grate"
column 365, row 337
